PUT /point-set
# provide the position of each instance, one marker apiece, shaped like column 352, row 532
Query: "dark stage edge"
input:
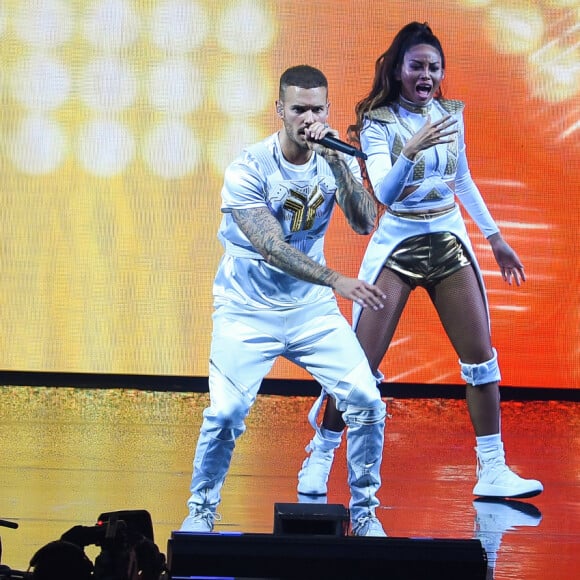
column 322, row 557
column 281, row 387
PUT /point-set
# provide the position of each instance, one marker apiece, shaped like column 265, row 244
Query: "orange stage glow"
column 114, row 141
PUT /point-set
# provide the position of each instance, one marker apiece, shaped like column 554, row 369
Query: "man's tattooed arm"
column 265, row 234
column 356, row 202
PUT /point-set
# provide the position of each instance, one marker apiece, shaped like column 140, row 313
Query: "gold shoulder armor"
column 381, row 114
column 452, row 106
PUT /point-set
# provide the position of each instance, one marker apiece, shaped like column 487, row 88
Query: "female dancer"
column 414, row 140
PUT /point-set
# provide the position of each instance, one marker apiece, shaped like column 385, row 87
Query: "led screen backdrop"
column 119, row 116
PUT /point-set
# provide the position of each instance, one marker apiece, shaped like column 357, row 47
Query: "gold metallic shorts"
column 425, row 260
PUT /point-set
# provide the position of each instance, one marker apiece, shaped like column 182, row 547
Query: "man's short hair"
column 303, row 76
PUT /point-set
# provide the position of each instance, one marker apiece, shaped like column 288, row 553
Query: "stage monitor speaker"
column 322, row 557
column 310, row 518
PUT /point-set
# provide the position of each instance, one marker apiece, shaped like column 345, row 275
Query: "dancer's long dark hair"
column 386, row 88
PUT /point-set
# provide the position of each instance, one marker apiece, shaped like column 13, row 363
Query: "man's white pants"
column 245, row 344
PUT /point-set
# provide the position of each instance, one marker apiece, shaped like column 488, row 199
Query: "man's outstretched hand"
column 364, row 294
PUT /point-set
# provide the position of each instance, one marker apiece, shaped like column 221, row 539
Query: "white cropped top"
column 383, row 136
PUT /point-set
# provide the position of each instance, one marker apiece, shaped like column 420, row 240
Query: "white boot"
column 496, row 479
column 365, row 440
column 313, row 477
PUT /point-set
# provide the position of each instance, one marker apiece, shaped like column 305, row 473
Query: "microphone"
column 338, row 145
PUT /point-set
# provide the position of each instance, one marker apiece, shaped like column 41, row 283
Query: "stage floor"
column 70, row 454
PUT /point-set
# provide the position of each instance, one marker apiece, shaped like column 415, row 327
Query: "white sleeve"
column 353, row 165
column 388, row 180
column 243, row 186
column 471, row 199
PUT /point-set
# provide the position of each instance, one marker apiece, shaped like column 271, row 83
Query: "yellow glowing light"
column 2, row 21
column 476, row 3
column 176, row 86
column 515, row 29
column 108, row 84
column 238, row 134
column 111, row 24
column 242, row 87
column 172, row 150
column 38, row 145
column 105, row 148
column 44, row 23
column 554, row 73
column 110, row 132
column 561, row 3
column 246, row 28
column 41, row 83
column 179, row 26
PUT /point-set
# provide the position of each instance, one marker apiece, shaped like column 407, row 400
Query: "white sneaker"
column 200, row 519
column 368, row 526
column 313, row 477
column 496, row 479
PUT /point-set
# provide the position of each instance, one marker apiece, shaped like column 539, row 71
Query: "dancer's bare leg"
column 462, row 310
column 375, row 330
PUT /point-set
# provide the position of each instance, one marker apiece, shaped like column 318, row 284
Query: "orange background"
column 112, row 274
column 510, row 136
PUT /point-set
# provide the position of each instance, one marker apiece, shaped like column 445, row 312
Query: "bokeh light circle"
column 38, row 146
column 237, row 135
column 243, row 88
column 105, row 147
column 554, row 73
column 108, row 84
column 171, row 150
column 476, row 3
column 111, row 24
column 246, row 28
column 2, row 21
column 44, row 23
column 176, row 86
column 515, row 29
column 561, row 3
column 41, row 83
column 179, row 26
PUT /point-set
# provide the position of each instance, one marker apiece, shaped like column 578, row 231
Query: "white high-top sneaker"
column 313, row 477
column 496, row 479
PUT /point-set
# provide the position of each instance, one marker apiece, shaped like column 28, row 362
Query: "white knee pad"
column 482, row 373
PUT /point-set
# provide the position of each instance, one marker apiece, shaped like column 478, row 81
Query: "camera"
column 128, row 552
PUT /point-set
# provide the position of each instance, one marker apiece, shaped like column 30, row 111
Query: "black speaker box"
column 310, row 518
column 322, row 557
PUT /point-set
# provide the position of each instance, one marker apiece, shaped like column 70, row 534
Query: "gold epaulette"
column 381, row 114
column 451, row 105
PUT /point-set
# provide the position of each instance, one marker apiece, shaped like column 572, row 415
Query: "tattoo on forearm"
column 265, row 234
column 355, row 201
